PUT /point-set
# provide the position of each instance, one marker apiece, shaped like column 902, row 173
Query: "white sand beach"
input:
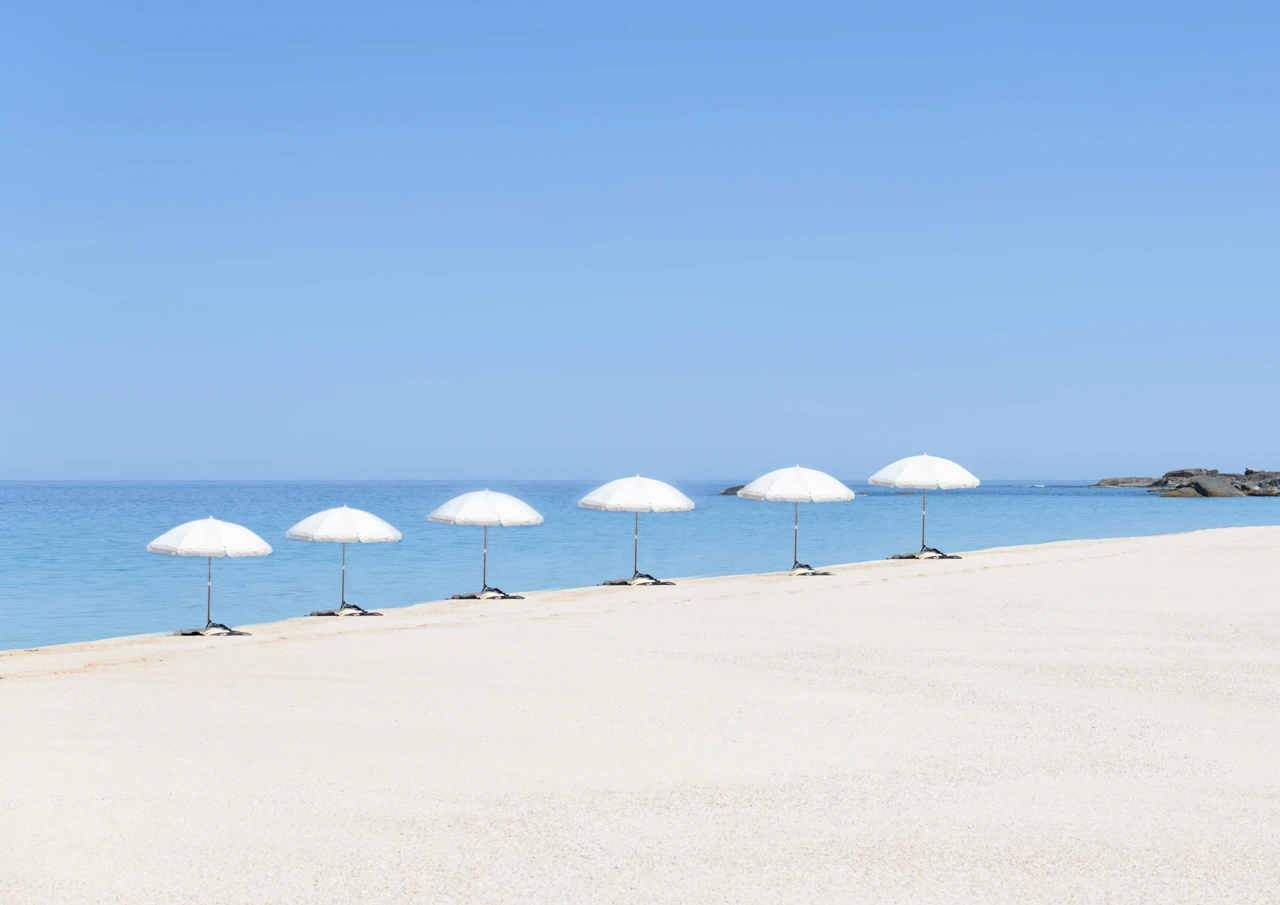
column 1091, row 721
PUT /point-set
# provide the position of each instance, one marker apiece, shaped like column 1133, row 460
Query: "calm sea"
column 73, row 563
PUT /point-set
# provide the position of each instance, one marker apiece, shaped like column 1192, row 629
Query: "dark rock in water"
column 1181, row 477
column 1260, row 483
column 1204, row 482
column 1214, row 485
column 1189, row 472
column 729, row 491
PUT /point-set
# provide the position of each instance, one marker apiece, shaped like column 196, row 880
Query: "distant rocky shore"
column 1204, row 482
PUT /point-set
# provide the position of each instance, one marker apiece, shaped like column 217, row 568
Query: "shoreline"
column 1084, row 720
column 94, row 584
column 278, row 626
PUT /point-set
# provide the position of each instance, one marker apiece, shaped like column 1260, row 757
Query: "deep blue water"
column 73, row 563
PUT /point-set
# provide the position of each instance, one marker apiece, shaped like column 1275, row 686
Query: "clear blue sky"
column 692, row 240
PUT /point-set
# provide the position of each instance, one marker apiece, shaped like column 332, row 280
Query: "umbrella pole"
column 484, row 580
column 344, row 574
column 208, row 594
column 795, row 540
column 635, row 550
column 924, row 502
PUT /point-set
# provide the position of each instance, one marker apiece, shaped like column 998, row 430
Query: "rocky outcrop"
column 1204, row 482
column 729, row 491
column 1188, row 473
column 1262, row 483
column 1214, row 485
column 1124, row 482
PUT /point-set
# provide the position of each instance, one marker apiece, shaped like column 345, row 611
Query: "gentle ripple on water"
column 73, row 563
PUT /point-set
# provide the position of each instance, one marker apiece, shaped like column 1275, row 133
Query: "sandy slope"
column 1090, row 721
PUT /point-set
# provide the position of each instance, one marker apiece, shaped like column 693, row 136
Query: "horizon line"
column 400, row 480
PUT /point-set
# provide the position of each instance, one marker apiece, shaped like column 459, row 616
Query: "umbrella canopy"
column 924, row 473
column 211, row 539
column 345, row 526
column 485, row 507
column 637, row 495
column 797, row 485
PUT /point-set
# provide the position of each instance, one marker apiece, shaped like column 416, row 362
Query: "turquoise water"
column 73, row 563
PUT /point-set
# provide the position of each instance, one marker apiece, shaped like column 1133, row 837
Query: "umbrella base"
column 347, row 609
column 803, row 570
column 210, row 630
column 487, row 593
column 640, row 578
column 925, row 553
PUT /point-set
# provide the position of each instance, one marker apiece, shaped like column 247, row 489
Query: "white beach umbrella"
column 211, row 539
column 486, row 508
column 637, row 495
column 344, row 525
column 924, row 473
column 797, row 485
